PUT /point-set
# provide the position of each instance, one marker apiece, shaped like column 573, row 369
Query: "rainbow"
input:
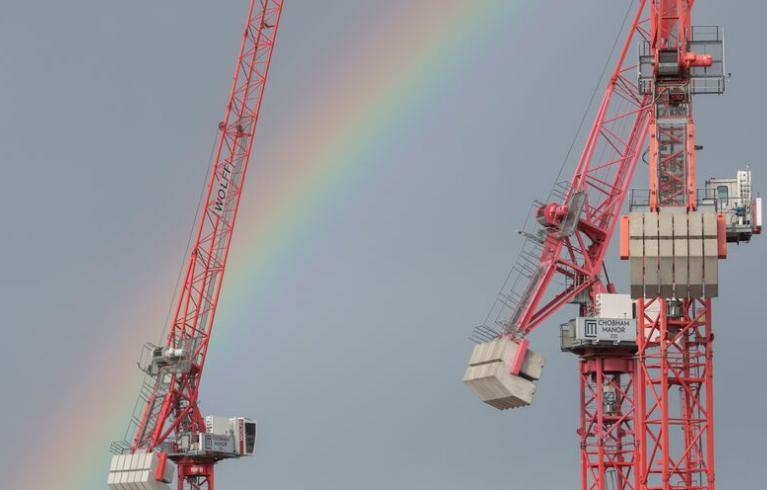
column 408, row 60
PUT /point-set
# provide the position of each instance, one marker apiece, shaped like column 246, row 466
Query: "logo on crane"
column 591, row 328
column 223, row 188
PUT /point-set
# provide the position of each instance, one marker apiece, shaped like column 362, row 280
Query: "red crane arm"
column 171, row 405
column 563, row 260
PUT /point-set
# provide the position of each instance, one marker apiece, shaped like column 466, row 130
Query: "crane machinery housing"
column 645, row 358
column 167, row 429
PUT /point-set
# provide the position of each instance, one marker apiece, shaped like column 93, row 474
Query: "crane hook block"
column 490, row 377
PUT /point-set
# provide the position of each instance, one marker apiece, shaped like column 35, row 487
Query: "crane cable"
column 586, row 112
column 618, row 37
column 181, row 270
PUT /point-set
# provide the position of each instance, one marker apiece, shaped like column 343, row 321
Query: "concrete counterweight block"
column 489, row 378
column 674, row 254
column 138, row 471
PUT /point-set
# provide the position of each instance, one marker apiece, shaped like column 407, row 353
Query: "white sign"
column 606, row 329
column 216, row 443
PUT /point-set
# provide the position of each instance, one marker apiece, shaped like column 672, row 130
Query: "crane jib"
column 167, row 426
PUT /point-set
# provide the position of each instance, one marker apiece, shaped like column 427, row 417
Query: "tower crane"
column 168, row 429
column 645, row 358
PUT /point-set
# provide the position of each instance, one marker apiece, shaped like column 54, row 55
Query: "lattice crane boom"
column 576, row 230
column 168, row 422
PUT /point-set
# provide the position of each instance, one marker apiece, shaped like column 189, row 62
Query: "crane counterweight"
column 502, row 373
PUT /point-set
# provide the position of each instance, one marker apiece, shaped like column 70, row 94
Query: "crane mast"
column 168, row 424
column 674, row 268
column 645, row 358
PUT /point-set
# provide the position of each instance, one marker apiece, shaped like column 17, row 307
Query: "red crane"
column 168, row 423
column 646, row 394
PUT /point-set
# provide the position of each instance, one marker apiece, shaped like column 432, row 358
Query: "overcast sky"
column 350, row 345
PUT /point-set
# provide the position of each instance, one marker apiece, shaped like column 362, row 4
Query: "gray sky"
column 352, row 358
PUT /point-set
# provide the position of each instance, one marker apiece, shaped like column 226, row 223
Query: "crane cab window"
column 722, row 196
column 250, row 437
